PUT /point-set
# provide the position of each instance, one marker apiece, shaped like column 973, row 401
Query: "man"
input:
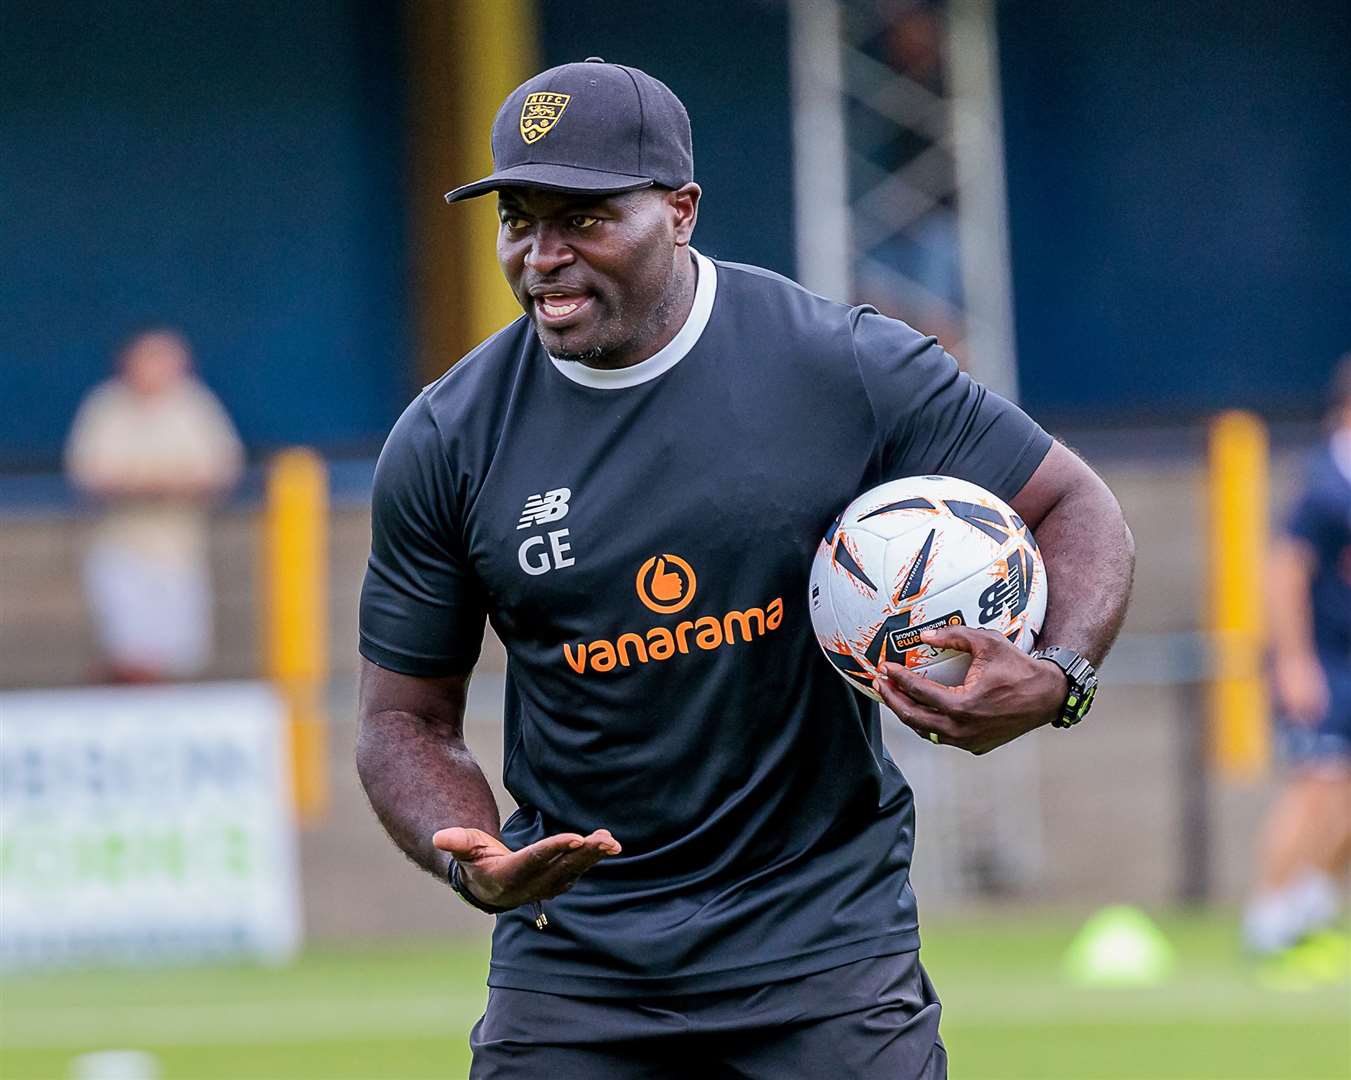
column 708, row 871
column 1306, row 842
column 153, row 445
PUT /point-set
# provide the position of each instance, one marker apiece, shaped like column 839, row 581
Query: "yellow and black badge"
column 540, row 113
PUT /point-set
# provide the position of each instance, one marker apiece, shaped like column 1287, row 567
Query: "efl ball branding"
column 907, row 638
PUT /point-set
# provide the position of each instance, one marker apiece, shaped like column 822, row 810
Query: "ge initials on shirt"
column 538, row 554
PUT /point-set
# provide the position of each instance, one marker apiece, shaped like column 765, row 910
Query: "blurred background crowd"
column 227, row 267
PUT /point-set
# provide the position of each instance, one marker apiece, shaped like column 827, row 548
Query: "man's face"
column 154, row 363
column 595, row 274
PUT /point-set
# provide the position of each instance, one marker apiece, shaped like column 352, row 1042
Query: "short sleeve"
column 933, row 418
column 422, row 610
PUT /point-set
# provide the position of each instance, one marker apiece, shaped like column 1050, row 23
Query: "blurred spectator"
column 1306, row 842
column 152, row 444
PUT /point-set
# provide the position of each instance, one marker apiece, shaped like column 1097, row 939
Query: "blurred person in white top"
column 153, row 445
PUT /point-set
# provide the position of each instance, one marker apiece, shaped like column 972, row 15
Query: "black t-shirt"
column 1322, row 519
column 641, row 541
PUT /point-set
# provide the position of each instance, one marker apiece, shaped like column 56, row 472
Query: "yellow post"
column 461, row 60
column 1239, row 465
column 497, row 55
column 295, row 614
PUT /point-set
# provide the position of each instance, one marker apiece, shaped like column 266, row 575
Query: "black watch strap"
column 1082, row 678
column 462, row 891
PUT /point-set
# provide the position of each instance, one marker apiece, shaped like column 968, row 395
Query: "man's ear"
column 684, row 203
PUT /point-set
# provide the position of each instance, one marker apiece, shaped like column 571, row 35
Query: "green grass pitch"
column 391, row 1012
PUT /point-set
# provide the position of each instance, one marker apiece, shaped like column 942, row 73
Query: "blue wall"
column 232, row 169
column 727, row 60
column 1180, row 221
column 1180, row 203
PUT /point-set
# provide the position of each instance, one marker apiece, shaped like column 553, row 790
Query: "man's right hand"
column 504, row 878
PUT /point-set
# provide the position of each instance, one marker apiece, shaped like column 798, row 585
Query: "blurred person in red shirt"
column 1306, row 842
column 153, row 445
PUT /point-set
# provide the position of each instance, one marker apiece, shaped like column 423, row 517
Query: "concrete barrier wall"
column 1104, row 798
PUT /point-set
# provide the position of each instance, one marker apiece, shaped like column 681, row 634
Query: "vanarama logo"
column 666, row 584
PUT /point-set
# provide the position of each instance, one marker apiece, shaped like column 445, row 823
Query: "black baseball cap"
column 588, row 127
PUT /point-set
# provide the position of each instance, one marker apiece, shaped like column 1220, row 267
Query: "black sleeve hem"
column 420, row 666
column 1025, row 464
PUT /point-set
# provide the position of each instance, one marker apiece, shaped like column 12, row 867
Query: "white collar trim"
column 665, row 358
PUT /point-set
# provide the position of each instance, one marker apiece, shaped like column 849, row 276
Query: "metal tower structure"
column 899, row 177
column 900, row 202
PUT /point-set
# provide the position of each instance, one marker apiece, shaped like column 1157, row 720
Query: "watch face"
column 1082, row 679
column 1082, row 683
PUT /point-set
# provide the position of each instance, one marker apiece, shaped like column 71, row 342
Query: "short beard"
column 586, row 356
column 652, row 324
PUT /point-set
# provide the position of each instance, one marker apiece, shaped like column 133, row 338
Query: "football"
column 921, row 552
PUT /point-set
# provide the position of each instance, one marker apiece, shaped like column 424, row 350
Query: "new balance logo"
column 538, row 555
column 992, row 600
column 1014, row 590
column 542, row 509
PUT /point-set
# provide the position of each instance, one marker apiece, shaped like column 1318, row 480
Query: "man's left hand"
column 1006, row 693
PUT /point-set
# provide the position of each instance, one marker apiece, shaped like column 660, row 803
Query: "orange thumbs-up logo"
column 666, row 583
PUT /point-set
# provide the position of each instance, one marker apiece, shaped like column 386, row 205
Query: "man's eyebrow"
column 578, row 209
column 603, row 204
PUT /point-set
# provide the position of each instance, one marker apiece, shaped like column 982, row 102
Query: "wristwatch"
column 1083, row 683
column 462, row 891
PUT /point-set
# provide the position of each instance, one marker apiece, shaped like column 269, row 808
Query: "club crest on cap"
column 540, row 113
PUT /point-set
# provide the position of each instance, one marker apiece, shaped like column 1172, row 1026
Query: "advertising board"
column 145, row 825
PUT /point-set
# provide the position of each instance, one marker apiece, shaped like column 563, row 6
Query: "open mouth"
column 557, row 310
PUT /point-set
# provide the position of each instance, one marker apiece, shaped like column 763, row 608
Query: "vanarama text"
column 707, row 632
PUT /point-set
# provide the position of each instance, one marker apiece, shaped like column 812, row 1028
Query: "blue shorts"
column 874, row 1019
column 1329, row 740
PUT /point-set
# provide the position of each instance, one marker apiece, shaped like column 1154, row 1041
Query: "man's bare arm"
column 1289, row 607
column 1300, row 683
column 435, row 803
column 412, row 759
column 1088, row 550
